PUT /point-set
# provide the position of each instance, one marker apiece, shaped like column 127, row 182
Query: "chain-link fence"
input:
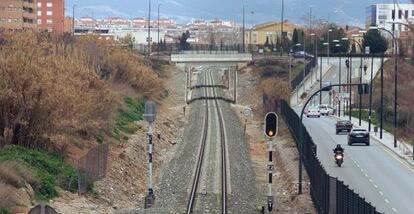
column 329, row 194
column 92, row 167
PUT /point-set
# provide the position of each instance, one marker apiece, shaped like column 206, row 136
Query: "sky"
column 350, row 12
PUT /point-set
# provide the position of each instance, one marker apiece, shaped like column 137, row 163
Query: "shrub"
column 8, row 197
column 17, row 175
column 50, row 169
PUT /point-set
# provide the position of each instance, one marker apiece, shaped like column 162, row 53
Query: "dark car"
column 343, row 125
column 358, row 136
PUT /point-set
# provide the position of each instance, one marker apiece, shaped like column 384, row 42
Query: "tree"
column 376, row 42
column 266, row 44
column 184, row 45
column 128, row 40
column 295, row 37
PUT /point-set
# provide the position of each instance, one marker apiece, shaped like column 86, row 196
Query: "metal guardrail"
column 308, row 69
column 329, row 194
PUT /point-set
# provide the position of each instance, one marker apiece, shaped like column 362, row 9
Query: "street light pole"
column 329, row 42
column 244, row 41
column 73, row 19
column 149, row 28
column 395, row 78
column 281, row 28
column 370, row 96
column 158, row 23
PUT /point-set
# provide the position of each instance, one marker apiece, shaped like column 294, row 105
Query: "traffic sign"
column 345, row 96
column 247, row 112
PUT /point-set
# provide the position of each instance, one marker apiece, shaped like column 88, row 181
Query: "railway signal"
column 271, row 127
column 149, row 116
column 271, row 122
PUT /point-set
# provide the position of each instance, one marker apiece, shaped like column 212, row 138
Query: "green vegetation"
column 4, row 211
column 375, row 119
column 124, row 123
column 49, row 168
column 376, row 42
column 297, row 69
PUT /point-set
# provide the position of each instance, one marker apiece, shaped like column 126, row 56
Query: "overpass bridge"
column 229, row 61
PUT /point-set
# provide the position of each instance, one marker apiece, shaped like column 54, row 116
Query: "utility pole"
column 158, row 23
column 244, row 39
column 281, row 28
column 73, row 19
column 149, row 28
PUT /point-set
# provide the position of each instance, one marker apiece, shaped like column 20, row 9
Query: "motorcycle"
column 339, row 158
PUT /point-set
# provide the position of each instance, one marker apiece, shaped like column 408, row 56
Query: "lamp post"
column 250, row 37
column 244, row 39
column 314, row 52
column 395, row 78
column 360, row 77
column 73, row 18
column 339, row 82
column 158, row 23
column 149, row 28
column 281, row 28
column 328, row 45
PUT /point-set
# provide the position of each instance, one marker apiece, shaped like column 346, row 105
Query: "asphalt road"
column 373, row 172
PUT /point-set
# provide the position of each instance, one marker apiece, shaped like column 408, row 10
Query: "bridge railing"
column 329, row 194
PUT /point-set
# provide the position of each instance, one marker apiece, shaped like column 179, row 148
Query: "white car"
column 313, row 111
column 326, row 109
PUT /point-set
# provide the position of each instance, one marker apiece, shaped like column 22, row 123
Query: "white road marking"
column 381, row 193
column 362, row 170
column 370, row 180
column 376, row 187
column 366, row 175
column 395, row 210
column 386, row 200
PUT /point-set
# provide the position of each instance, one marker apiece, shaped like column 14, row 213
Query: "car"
column 313, row 111
column 343, row 125
column 323, row 109
column 301, row 54
column 358, row 136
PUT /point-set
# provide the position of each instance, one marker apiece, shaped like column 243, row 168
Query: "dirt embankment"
column 285, row 153
column 126, row 182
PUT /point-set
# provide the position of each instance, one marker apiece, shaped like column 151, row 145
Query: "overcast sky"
column 342, row 11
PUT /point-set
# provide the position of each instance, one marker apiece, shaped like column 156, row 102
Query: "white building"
column 382, row 15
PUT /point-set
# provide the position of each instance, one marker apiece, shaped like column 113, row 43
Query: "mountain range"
column 351, row 12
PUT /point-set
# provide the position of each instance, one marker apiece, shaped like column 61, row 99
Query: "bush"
column 8, row 197
column 17, row 175
column 126, row 118
column 50, row 169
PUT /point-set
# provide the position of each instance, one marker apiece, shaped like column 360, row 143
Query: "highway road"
column 373, row 172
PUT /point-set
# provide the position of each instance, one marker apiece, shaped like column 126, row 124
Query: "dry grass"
column 16, row 175
column 8, row 196
column 274, row 90
column 57, row 93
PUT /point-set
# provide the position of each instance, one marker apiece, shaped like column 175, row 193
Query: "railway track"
column 209, row 80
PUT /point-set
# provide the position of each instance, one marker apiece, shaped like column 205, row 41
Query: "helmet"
column 338, row 146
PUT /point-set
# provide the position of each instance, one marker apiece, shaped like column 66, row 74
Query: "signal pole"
column 149, row 116
column 271, row 128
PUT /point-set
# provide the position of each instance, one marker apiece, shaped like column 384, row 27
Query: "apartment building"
column 258, row 34
column 51, row 16
column 17, row 15
column 382, row 15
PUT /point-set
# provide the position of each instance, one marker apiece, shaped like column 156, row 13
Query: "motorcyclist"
column 338, row 149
